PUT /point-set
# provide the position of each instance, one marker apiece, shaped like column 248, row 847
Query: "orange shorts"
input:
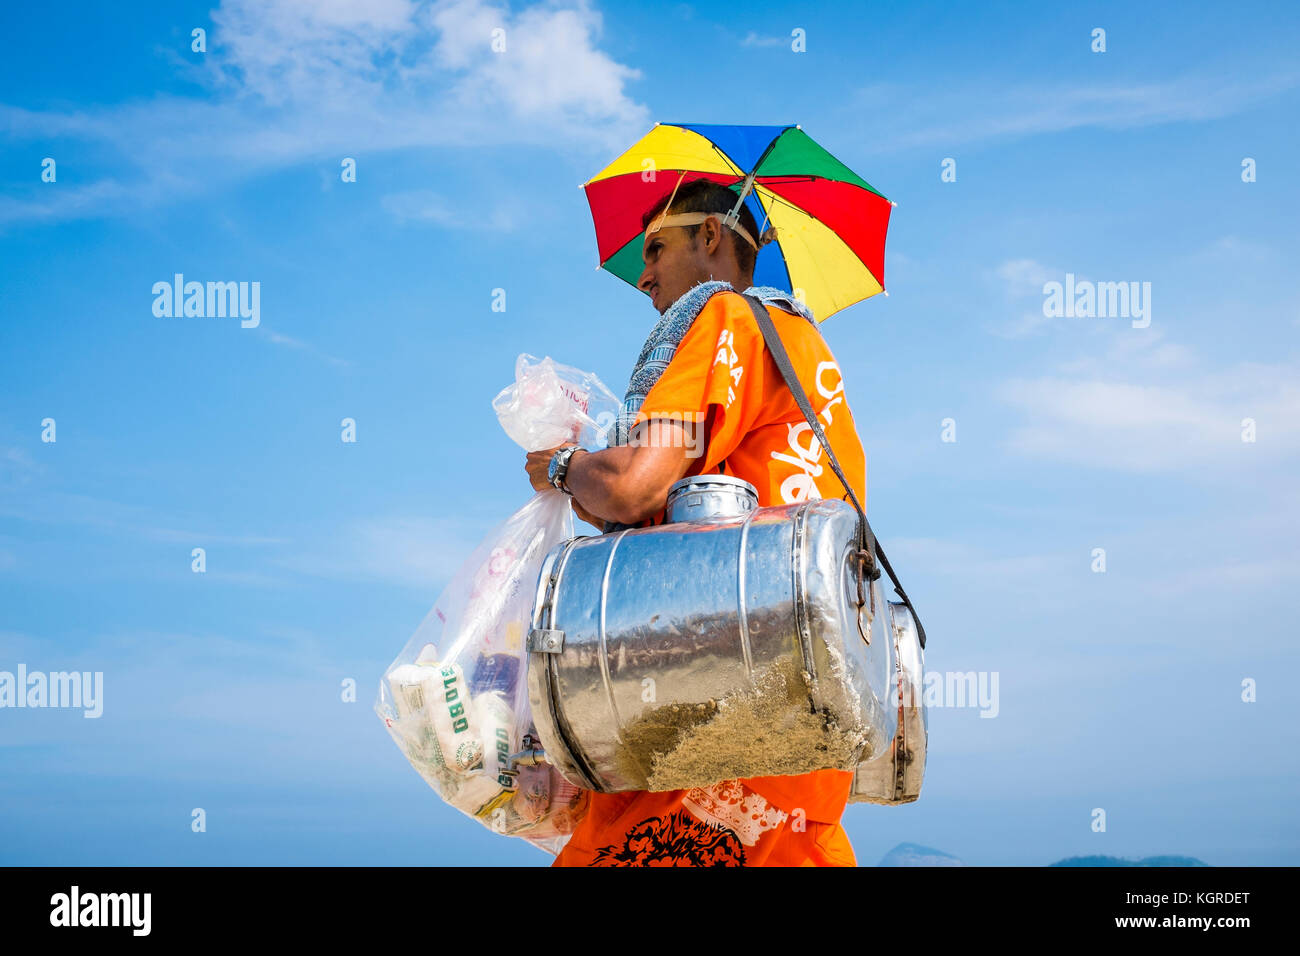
column 727, row 824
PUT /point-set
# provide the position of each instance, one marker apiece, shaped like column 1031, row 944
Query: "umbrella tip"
column 892, row 203
column 886, row 291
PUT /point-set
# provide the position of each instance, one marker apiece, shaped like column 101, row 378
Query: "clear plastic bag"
column 550, row 404
column 455, row 700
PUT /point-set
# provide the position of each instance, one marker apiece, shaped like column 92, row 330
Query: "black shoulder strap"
column 866, row 539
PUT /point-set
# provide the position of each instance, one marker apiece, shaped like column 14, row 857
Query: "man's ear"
column 712, row 234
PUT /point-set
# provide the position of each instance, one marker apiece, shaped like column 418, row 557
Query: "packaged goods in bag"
column 441, row 696
column 413, row 727
column 455, row 699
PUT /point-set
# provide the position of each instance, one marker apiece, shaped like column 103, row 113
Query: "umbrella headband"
column 692, row 218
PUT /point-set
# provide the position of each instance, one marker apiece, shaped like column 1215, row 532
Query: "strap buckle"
column 865, row 567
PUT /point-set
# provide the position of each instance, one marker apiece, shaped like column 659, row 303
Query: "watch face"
column 551, row 469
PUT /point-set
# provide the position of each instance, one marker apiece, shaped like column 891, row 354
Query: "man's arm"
column 595, row 520
column 626, row 483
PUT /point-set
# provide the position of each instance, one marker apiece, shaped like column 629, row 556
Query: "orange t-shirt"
column 759, row 435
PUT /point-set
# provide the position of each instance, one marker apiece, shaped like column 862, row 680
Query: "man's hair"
column 704, row 195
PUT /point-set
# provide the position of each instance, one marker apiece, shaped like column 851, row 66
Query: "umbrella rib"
column 729, row 161
column 777, row 198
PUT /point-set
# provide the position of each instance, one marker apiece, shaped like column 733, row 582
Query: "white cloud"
column 960, row 112
column 953, row 557
column 1021, row 282
column 549, row 67
column 1236, row 250
column 1145, row 426
column 1268, row 576
column 427, row 206
column 299, row 50
column 754, row 39
column 68, row 202
column 294, row 81
column 1022, row 279
column 16, row 467
column 1024, row 276
column 301, row 346
column 414, row 552
column 27, row 501
column 1139, row 350
column 1135, row 401
column 420, row 205
column 417, row 552
column 1029, row 322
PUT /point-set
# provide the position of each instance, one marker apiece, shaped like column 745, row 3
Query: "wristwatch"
column 558, row 469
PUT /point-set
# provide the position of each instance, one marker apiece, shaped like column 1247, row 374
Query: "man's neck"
column 737, row 281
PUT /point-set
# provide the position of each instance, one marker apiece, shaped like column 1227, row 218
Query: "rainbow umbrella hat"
column 822, row 225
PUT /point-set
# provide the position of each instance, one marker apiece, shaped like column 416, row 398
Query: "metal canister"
column 895, row 774
column 725, row 643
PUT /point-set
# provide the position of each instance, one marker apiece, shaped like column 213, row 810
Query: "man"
column 722, row 380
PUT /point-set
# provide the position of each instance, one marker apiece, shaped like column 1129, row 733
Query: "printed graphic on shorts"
column 677, row 839
column 732, row 805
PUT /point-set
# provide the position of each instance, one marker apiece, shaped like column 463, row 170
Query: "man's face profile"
column 674, row 263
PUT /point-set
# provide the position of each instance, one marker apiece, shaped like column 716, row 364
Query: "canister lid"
column 710, row 497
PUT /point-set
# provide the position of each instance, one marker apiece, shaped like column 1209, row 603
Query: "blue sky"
column 1120, row 690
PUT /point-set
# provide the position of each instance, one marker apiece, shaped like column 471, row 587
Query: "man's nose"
column 646, row 281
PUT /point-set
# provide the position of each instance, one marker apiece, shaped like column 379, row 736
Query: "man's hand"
column 627, row 483
column 537, row 463
column 596, row 520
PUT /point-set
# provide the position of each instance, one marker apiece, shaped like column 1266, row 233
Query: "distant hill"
column 913, row 854
column 1120, row 861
